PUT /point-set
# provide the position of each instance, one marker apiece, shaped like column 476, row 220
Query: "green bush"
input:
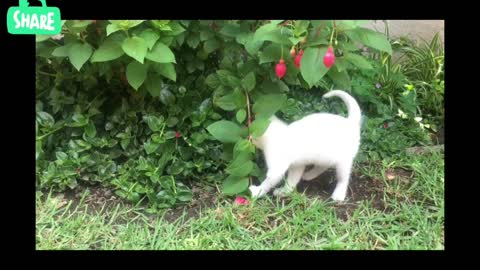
column 148, row 107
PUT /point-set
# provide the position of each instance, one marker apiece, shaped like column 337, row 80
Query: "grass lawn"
column 391, row 205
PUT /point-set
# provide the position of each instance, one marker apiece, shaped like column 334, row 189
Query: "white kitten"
column 322, row 139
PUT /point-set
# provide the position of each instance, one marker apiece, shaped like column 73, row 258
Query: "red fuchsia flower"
column 329, row 58
column 385, row 125
column 281, row 69
column 241, row 201
column 292, row 51
column 298, row 59
column 177, row 134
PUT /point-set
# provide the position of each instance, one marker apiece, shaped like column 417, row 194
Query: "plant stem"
column 46, row 73
column 249, row 119
column 49, row 133
column 333, row 31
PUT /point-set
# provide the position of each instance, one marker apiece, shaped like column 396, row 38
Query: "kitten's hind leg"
column 343, row 178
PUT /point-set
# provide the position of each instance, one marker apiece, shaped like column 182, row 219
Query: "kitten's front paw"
column 256, row 191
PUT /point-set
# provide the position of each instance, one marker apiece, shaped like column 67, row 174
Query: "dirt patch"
column 102, row 200
column 360, row 189
column 203, row 197
column 96, row 200
column 438, row 137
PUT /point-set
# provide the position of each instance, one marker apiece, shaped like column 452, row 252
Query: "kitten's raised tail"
column 354, row 113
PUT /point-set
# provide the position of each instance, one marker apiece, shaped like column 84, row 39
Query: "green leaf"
column 193, row 39
column 79, row 120
column 243, row 146
column 124, row 143
column 272, row 53
column 227, row 102
column 358, row 61
column 239, row 159
column 160, row 53
column 184, row 196
column 312, row 67
column 175, row 168
column 158, row 138
column 150, row 37
column 206, row 35
column 241, row 115
column 252, row 46
column 135, row 47
column 301, row 27
column 226, row 131
column 61, row 156
column 235, row 185
column 45, row 119
column 248, row 82
column 177, row 29
column 341, row 64
column 108, row 51
column 268, row 105
column 169, row 134
column 230, row 30
column 259, row 126
column 257, row 172
column 239, row 98
column 126, row 24
column 370, row 38
column 79, row 54
column 172, row 121
column 272, row 32
column 212, row 81
column 211, row 45
column 167, row 70
column 317, row 23
column 274, row 87
column 62, row 51
column 240, row 169
column 150, row 147
column 154, row 85
column 112, row 28
column 154, row 123
column 90, row 130
column 136, row 74
column 346, row 24
column 348, row 46
column 161, row 25
column 166, row 97
column 341, row 79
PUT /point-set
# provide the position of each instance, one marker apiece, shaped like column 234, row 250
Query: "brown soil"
column 361, row 188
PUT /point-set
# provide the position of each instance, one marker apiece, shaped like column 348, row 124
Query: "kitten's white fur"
column 322, row 139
